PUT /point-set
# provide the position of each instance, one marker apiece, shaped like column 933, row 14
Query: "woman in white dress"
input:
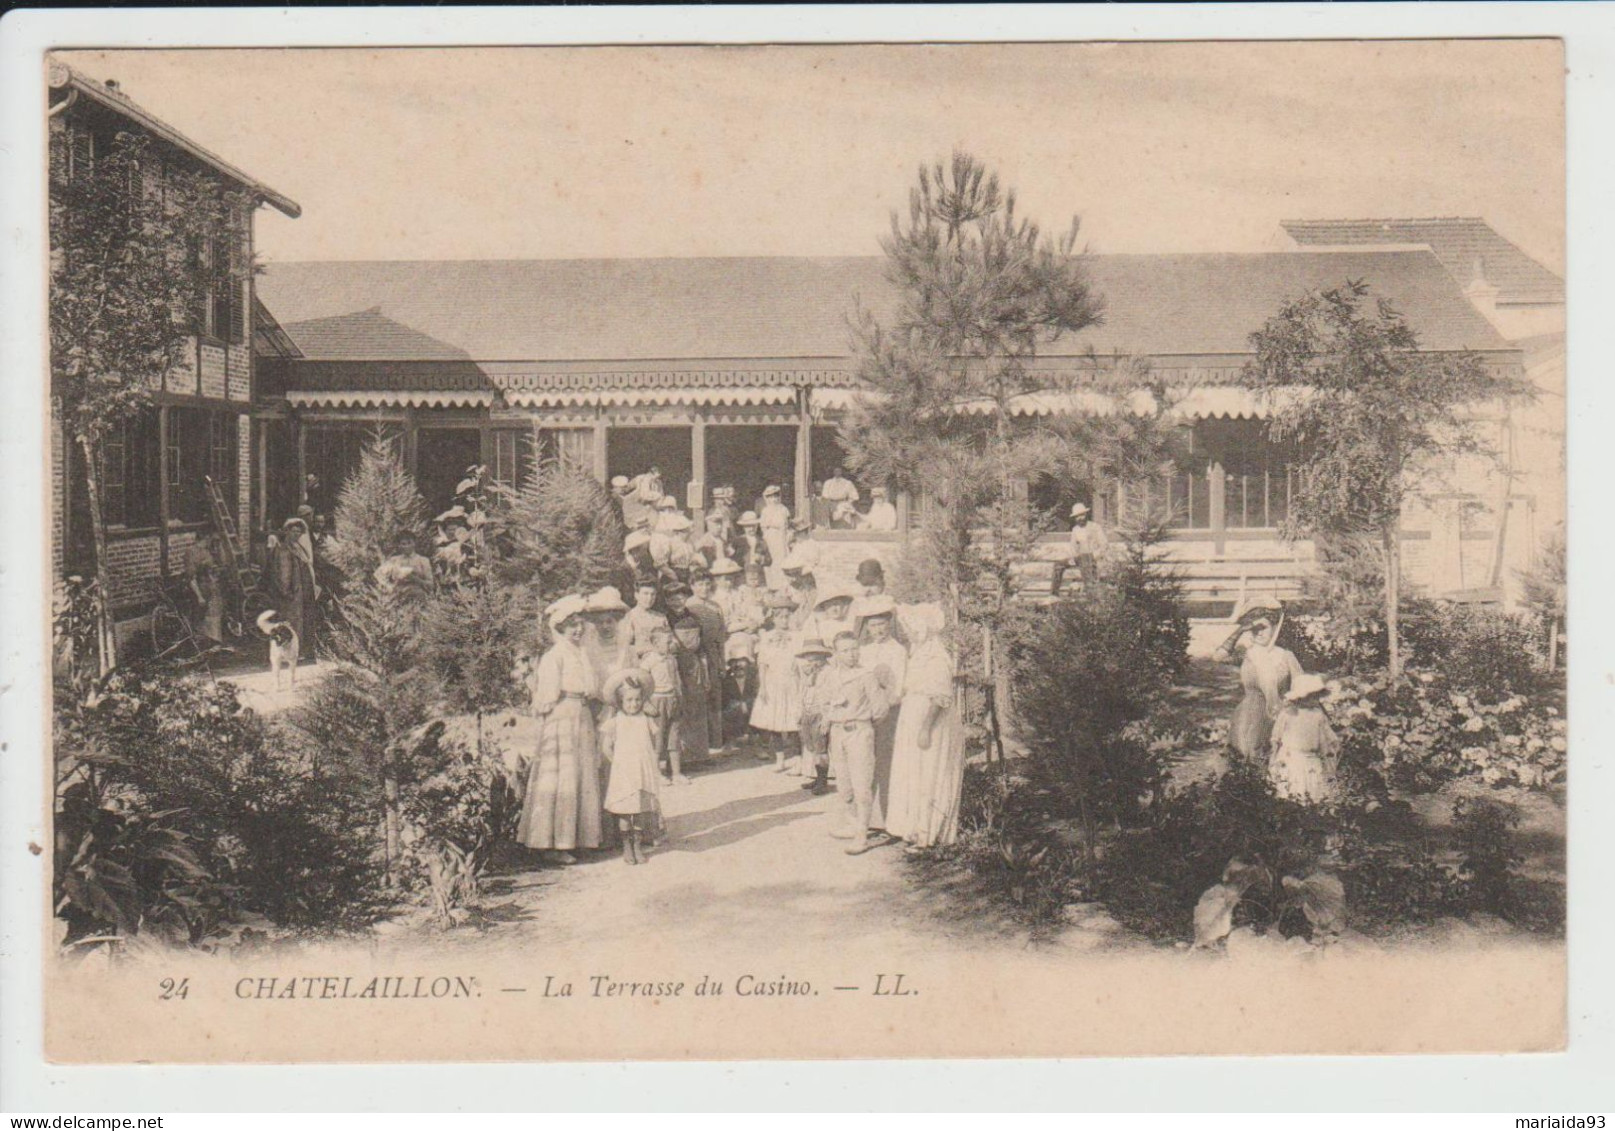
column 928, row 754
column 775, row 522
column 561, row 811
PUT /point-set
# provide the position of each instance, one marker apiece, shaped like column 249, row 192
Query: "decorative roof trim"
column 463, row 398
column 663, row 396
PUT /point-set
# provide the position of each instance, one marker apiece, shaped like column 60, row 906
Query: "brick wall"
column 244, row 476
column 239, row 386
column 132, row 569
column 181, row 376
column 212, row 371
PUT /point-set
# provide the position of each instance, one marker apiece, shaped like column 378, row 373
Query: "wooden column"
column 302, row 459
column 602, row 463
column 697, row 500
column 164, row 510
column 260, row 450
column 904, row 507
column 1217, row 484
column 802, row 504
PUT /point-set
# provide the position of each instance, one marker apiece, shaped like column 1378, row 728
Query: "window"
column 222, row 260
column 221, row 456
column 513, row 456
column 1257, row 473
column 129, row 472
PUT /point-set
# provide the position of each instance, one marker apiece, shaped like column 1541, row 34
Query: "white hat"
column 1079, row 509
column 639, row 677
column 677, row 522
column 879, row 605
column 834, row 593
column 722, row 567
column 813, row 646
column 771, row 489
column 748, row 518
column 565, row 609
column 1304, row 685
column 606, row 599
column 619, row 480
column 667, row 503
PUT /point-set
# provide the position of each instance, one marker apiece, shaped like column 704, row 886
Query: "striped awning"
column 390, row 398
column 557, row 398
column 1197, row 403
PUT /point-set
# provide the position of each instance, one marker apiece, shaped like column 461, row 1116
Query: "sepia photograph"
column 806, row 551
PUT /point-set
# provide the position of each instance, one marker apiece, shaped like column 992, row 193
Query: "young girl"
column 1306, row 749
column 628, row 739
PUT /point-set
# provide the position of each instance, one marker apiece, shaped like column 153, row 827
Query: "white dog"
column 283, row 645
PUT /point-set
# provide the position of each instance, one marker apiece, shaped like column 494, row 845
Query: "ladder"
column 225, row 524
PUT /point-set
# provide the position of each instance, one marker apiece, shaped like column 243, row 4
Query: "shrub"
column 379, row 502
column 260, row 823
column 1484, row 837
column 1486, row 653
column 1417, row 733
column 563, row 534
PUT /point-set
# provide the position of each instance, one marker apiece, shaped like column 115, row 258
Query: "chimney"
column 1481, row 293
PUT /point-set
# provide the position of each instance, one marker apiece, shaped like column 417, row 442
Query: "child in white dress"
column 1305, row 747
column 628, row 739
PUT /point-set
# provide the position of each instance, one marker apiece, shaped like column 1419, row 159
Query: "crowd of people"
column 729, row 640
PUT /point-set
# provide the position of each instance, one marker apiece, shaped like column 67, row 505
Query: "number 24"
column 169, row 989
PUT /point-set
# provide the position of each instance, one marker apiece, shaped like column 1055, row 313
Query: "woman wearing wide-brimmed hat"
column 291, row 571
column 561, row 811
column 922, row 807
column 1265, row 672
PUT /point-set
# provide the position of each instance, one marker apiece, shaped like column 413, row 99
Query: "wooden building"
column 736, row 371
column 199, row 421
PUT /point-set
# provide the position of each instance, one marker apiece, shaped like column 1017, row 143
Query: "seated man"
column 882, row 514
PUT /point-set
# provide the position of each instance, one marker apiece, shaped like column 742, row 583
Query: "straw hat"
column 606, row 599
column 565, row 609
column 1079, row 509
column 834, row 593
column 677, row 523
column 616, row 681
column 772, row 491
column 1305, row 685
column 619, row 481
column 748, row 518
column 812, row 647
column 723, row 567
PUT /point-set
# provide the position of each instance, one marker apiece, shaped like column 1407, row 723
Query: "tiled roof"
column 368, row 335
column 1458, row 241
column 579, row 320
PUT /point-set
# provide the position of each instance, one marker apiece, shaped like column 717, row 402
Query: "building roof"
column 66, row 79
column 370, row 335
column 793, row 313
column 1458, row 241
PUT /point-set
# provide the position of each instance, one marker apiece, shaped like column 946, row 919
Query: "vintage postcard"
column 803, row 552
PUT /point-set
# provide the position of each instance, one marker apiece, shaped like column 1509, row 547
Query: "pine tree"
column 564, row 535
column 378, row 503
column 981, row 292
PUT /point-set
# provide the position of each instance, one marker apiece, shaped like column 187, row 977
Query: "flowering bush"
column 1415, row 734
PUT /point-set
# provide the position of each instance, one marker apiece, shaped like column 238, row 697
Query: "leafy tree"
column 982, row 290
column 127, row 235
column 1365, row 407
